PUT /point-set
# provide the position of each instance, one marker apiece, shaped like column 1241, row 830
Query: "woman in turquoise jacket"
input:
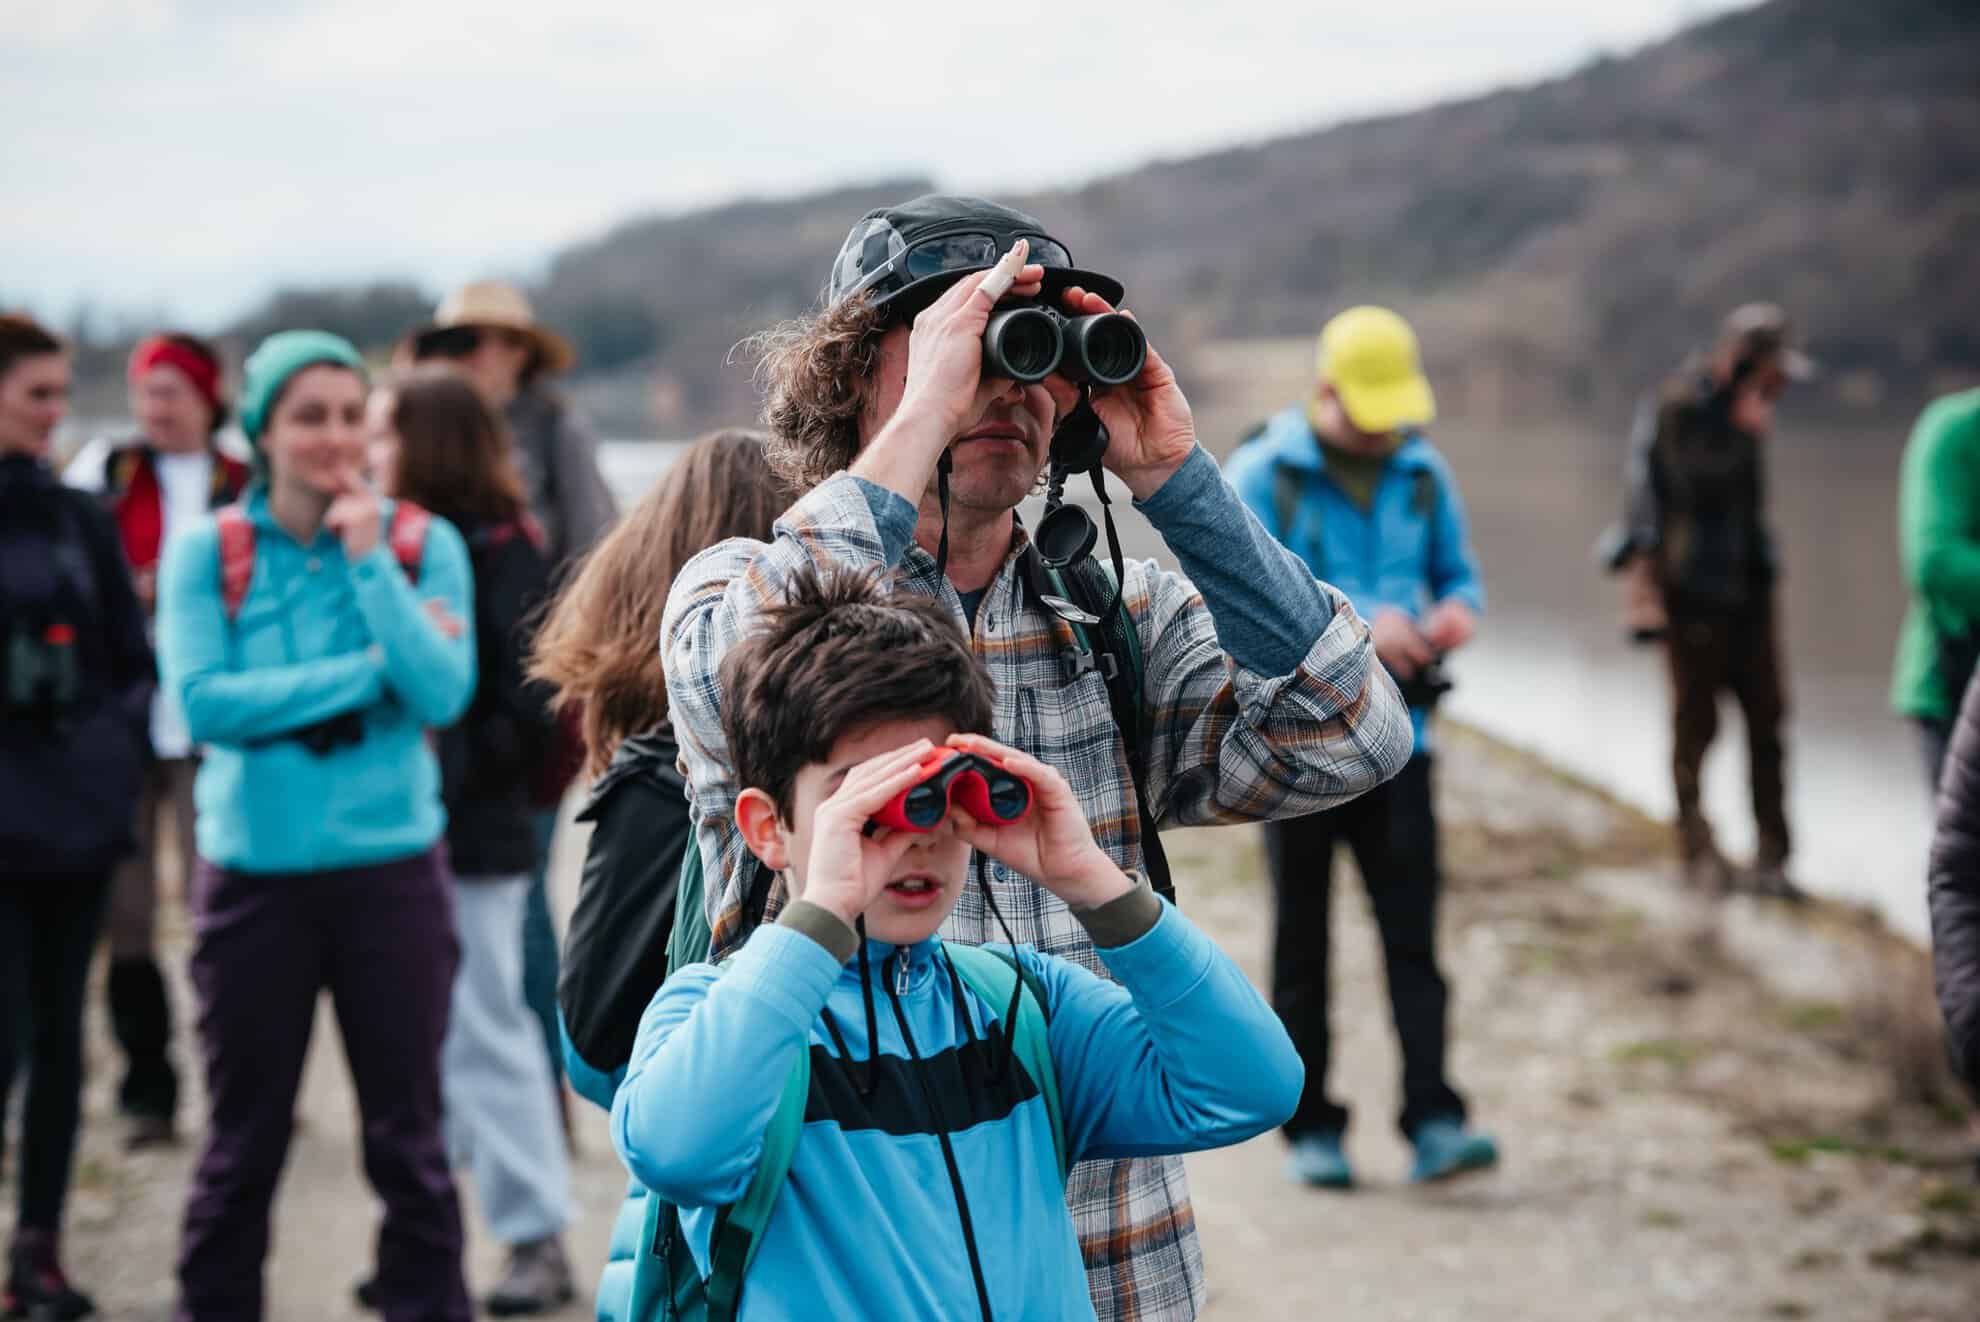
column 313, row 634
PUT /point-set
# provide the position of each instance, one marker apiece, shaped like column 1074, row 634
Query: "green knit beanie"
column 280, row 357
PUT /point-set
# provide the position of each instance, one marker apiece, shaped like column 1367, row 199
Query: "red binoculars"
column 987, row 792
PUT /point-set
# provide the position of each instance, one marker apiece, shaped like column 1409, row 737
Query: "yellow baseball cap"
column 1369, row 356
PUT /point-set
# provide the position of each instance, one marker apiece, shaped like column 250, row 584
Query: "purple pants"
column 381, row 939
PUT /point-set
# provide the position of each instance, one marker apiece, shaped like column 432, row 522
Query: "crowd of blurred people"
column 335, row 688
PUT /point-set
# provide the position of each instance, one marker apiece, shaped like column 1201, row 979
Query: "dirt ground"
column 1701, row 1110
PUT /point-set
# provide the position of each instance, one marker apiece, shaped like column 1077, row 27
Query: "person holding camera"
column 1259, row 691
column 1349, row 482
column 312, row 635
column 75, row 693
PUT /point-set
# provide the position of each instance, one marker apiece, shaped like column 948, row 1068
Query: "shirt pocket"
column 1071, row 728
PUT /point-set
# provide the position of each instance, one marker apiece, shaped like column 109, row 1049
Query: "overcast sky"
column 182, row 157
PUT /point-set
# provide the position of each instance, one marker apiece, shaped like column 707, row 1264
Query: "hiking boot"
column 1317, row 1159
column 37, row 1289
column 1708, row 873
column 1445, row 1148
column 1770, row 881
column 538, row 1280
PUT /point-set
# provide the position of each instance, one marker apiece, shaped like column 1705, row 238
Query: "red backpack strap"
column 236, row 556
column 408, row 536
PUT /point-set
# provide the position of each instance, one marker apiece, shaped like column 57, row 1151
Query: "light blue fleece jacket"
column 316, row 636
column 1394, row 555
column 1180, row 1055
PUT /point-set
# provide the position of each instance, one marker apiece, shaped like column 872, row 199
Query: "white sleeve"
column 88, row 470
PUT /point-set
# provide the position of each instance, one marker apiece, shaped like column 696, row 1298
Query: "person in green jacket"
column 1939, row 543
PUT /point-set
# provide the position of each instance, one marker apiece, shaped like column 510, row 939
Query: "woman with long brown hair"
column 600, row 647
column 436, row 442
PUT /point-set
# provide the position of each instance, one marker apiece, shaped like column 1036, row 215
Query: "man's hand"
column 1450, row 626
column 1402, row 649
column 354, row 515
column 848, row 868
column 1052, row 844
column 945, row 388
column 1150, row 430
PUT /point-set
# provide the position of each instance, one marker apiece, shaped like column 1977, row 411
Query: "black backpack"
column 1113, row 648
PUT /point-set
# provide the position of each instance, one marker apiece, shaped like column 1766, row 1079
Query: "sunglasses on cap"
column 460, row 341
column 877, row 258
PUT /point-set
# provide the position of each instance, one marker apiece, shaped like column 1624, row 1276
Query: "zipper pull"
column 901, row 974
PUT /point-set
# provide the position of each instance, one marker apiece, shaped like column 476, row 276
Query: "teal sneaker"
column 1445, row 1148
column 1317, row 1159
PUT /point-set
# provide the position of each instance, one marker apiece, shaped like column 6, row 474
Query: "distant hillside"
column 1559, row 245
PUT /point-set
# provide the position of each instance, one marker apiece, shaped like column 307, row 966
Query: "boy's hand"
column 1053, row 845
column 849, row 868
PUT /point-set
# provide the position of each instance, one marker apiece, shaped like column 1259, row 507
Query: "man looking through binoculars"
column 1259, row 692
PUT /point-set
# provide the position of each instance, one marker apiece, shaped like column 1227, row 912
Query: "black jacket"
column 488, row 757
column 615, row 954
column 1696, row 499
column 70, row 624
column 1955, row 893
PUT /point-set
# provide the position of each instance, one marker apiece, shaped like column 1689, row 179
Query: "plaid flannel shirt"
column 1225, row 745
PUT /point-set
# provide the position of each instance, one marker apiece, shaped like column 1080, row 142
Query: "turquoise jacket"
column 1408, row 551
column 317, row 636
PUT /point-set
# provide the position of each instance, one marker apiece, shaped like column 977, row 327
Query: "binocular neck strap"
column 942, row 467
column 1113, row 542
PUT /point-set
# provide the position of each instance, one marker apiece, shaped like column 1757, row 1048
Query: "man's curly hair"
column 839, row 653
column 812, row 371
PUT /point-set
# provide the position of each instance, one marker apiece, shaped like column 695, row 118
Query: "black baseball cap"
column 904, row 257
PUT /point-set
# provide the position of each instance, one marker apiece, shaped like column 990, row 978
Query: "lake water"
column 1551, row 672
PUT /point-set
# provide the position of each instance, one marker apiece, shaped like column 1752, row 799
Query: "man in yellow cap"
column 1349, row 483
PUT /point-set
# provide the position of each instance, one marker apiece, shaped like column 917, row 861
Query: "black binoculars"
column 1030, row 343
column 1430, row 683
column 328, row 735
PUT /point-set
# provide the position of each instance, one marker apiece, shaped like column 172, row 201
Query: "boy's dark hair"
column 842, row 652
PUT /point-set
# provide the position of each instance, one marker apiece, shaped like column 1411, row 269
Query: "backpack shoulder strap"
column 120, row 470
column 228, row 479
column 1288, row 488
column 739, row 1226
column 1113, row 647
column 408, row 536
column 689, row 941
column 236, row 556
column 993, row 975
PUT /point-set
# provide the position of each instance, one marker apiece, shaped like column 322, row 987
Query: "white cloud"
column 43, row 25
column 191, row 154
